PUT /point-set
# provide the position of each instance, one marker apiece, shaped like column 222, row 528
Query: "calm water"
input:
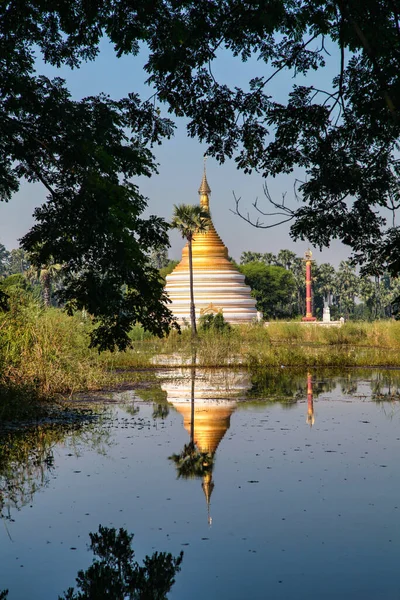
column 301, row 498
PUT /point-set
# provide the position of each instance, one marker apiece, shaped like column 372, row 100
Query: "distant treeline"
column 278, row 284
column 277, row 281
column 346, row 293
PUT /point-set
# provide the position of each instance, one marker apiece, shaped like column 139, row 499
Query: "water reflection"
column 206, row 401
column 262, row 469
column 27, row 461
column 310, row 401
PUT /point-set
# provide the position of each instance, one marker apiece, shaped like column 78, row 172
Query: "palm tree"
column 325, row 281
column 347, row 284
column 46, row 274
column 367, row 293
column 269, row 258
column 286, row 259
column 4, row 260
column 299, row 273
column 190, row 220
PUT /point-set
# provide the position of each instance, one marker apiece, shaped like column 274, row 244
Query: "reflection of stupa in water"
column 211, row 422
column 204, row 399
column 218, row 285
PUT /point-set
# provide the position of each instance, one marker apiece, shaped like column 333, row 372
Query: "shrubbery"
column 213, row 322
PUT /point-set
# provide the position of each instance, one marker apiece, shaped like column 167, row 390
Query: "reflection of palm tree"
column 191, row 463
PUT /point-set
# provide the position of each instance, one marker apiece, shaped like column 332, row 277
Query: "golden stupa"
column 218, row 285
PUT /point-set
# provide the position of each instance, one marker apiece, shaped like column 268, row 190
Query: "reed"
column 44, row 352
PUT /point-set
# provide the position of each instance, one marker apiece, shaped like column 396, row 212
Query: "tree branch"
column 282, row 211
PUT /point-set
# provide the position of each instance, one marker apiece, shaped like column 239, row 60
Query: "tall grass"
column 44, row 352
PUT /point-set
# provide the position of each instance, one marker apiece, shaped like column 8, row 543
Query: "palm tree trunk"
column 192, row 306
column 46, row 282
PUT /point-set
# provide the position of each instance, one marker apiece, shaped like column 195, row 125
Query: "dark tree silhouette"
column 115, row 575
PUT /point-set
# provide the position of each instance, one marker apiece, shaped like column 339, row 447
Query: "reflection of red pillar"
column 310, row 402
column 309, row 316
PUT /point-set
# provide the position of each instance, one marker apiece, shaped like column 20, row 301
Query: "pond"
column 290, row 488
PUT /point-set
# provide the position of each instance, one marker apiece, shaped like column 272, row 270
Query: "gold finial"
column 308, row 254
column 204, row 187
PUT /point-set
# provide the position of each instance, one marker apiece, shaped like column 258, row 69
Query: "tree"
column 158, row 257
column 190, row 220
column 323, row 286
column 248, row 256
column 268, row 258
column 4, row 260
column 367, row 293
column 347, row 287
column 325, row 281
column 299, row 274
column 339, row 140
column 164, row 271
column 47, row 274
column 85, row 154
column 286, row 259
column 115, row 574
column 19, row 261
column 271, row 286
column 342, row 137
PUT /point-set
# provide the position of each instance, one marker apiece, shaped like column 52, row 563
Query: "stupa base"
column 309, row 319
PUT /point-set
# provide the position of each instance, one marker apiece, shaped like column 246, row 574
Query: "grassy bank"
column 44, row 352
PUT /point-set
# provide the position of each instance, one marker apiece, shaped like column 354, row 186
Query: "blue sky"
column 180, row 162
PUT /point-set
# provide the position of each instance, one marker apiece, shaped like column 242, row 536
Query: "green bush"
column 213, row 322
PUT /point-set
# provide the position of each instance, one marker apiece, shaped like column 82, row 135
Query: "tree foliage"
column 164, row 271
column 211, row 322
column 19, row 261
column 4, row 260
column 339, row 139
column 85, row 154
column 347, row 293
column 272, row 287
column 191, row 463
column 115, row 574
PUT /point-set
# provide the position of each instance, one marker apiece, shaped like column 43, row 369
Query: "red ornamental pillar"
column 308, row 259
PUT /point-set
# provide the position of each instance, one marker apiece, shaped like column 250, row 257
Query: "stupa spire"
column 218, row 285
column 204, row 189
column 208, row 486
